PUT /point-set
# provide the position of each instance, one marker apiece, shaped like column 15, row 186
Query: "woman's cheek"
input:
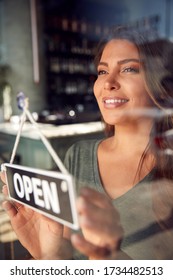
column 95, row 89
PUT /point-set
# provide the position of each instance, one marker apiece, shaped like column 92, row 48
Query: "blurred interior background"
column 46, row 51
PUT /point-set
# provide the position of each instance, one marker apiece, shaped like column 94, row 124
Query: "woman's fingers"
column 10, row 206
column 16, row 205
column 93, row 251
column 5, row 190
column 99, row 220
column 2, row 176
column 97, row 198
column 10, row 209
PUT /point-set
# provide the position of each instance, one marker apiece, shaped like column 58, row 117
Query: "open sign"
column 48, row 192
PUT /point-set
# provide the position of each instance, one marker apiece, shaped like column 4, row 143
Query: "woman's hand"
column 41, row 236
column 100, row 224
column 47, row 239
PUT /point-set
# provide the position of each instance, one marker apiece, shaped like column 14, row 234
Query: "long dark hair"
column 157, row 62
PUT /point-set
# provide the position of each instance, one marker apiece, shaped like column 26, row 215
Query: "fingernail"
column 81, row 204
column 5, row 205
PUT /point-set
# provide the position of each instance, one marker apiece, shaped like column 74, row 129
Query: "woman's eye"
column 101, row 72
column 131, row 69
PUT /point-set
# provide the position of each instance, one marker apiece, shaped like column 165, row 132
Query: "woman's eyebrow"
column 123, row 61
column 103, row 63
column 128, row 60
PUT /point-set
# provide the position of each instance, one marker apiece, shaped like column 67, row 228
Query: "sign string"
column 23, row 104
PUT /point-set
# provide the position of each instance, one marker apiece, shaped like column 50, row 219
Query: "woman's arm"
column 100, row 224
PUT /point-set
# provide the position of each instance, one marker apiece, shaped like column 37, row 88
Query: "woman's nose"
column 111, row 83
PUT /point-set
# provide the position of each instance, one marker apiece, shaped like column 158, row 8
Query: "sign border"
column 54, row 174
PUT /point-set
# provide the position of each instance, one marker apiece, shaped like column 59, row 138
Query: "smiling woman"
column 124, row 181
column 134, row 79
column 120, row 84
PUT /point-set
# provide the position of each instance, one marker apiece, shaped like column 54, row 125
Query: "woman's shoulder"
column 81, row 154
column 84, row 145
column 81, row 150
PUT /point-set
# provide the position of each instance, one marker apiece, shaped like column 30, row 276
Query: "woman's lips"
column 114, row 102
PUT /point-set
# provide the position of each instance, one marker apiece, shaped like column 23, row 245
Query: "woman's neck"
column 120, row 158
column 131, row 138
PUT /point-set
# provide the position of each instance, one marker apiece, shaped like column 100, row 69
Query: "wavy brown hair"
column 157, row 61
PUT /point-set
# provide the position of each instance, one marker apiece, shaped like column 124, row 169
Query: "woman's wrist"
column 65, row 252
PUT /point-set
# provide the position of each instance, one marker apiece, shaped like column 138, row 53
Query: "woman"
column 118, row 177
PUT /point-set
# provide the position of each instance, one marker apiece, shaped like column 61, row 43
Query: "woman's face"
column 120, row 86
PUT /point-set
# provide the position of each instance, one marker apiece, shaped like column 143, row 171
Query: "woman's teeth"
column 113, row 101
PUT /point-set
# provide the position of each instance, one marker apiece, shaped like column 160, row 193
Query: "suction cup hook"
column 22, row 101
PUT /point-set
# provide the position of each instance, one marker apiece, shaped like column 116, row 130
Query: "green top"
column 143, row 238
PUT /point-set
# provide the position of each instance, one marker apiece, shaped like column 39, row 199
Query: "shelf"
column 69, row 50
